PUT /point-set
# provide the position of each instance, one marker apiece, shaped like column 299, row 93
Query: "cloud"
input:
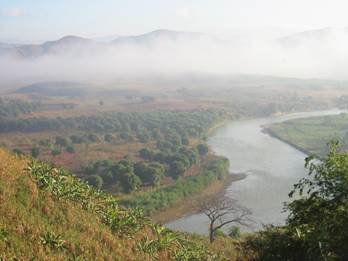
column 184, row 12
column 13, row 12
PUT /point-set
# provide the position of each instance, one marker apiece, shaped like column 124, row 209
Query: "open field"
column 312, row 135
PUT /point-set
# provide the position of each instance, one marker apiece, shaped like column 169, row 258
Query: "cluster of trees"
column 275, row 105
column 142, row 126
column 162, row 198
column 14, row 108
column 172, row 161
column 56, row 146
column 125, row 175
column 178, row 158
column 61, row 143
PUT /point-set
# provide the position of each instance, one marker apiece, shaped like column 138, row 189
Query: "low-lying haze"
column 312, row 54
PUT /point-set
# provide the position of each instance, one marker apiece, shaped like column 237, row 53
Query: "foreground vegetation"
column 317, row 225
column 313, row 134
column 47, row 213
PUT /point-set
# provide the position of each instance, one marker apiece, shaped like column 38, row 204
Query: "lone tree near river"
column 223, row 212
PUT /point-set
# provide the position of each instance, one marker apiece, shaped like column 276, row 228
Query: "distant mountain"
column 158, row 36
column 314, row 37
column 107, row 39
column 69, row 89
column 68, row 45
column 75, row 46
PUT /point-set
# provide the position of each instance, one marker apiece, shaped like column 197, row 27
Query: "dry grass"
column 27, row 213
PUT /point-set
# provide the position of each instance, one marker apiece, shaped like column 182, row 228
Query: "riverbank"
column 267, row 130
column 189, row 206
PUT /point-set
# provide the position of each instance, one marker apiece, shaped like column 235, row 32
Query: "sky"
column 39, row 20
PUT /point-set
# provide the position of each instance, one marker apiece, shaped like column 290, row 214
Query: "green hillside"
column 48, row 214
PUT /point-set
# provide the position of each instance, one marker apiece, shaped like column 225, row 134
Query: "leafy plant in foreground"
column 52, row 240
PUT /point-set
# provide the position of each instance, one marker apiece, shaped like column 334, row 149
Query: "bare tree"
column 222, row 212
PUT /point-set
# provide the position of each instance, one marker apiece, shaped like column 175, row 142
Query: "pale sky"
column 38, row 20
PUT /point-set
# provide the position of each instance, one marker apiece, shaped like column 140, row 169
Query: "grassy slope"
column 313, row 134
column 27, row 213
column 30, row 210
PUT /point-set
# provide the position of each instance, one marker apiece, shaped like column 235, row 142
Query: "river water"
column 271, row 167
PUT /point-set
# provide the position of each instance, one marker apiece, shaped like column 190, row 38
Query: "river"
column 271, row 167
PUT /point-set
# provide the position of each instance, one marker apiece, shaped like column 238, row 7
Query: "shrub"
column 18, row 152
column 70, row 149
column 52, row 240
column 202, row 149
column 56, row 151
column 234, row 232
column 60, row 141
column 35, row 152
column 109, row 138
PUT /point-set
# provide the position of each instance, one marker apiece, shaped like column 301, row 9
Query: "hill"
column 323, row 36
column 160, row 36
column 68, row 45
column 48, row 214
column 76, row 46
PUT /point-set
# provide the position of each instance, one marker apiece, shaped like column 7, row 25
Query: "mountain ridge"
column 73, row 44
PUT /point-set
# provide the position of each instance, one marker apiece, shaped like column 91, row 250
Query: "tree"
column 108, row 138
column 18, row 152
column 177, row 169
column 70, row 149
column 234, row 232
column 35, row 152
column 61, row 141
column 223, row 212
column 320, row 216
column 145, row 153
column 151, row 174
column 202, row 149
column 95, row 181
column 56, row 151
column 44, row 142
column 93, row 138
column 76, row 139
column 185, row 141
column 130, row 182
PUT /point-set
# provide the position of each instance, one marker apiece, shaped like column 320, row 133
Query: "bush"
column 56, row 152
column 93, row 138
column 234, row 232
column 177, row 170
column 202, row 149
column 130, row 182
column 35, row 152
column 60, row 141
column 18, row 152
column 109, row 138
column 151, row 174
column 70, row 149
